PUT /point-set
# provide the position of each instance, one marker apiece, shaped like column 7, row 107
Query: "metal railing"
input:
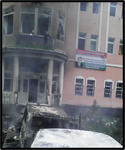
column 6, row 97
column 33, row 41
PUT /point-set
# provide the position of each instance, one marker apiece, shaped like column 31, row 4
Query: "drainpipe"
column 100, row 27
column 107, row 28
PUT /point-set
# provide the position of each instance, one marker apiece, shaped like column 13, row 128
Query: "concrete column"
column 107, row 28
column 15, row 75
column 61, row 76
column 50, row 79
column 2, row 74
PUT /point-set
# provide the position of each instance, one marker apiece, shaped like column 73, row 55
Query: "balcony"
column 45, row 42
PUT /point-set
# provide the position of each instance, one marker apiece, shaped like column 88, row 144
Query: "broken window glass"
column 43, row 26
column 44, row 21
column 32, row 17
column 61, row 27
column 27, row 19
column 27, row 23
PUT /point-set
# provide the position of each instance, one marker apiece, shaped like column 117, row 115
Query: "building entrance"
column 33, row 88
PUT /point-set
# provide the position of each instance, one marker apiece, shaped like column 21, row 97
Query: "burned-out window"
column 108, row 89
column 83, row 6
column 61, row 27
column 119, row 90
column 35, row 20
column 81, row 40
column 8, row 20
column 27, row 20
column 79, row 86
column 8, row 82
column 25, row 85
column 42, row 87
column 121, row 48
column 90, row 87
column 44, row 21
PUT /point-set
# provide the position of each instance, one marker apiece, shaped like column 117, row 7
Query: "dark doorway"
column 33, row 86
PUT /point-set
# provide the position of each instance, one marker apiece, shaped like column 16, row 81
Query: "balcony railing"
column 31, row 41
column 6, row 97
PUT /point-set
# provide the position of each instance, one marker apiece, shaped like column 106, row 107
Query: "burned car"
column 37, row 117
column 21, row 125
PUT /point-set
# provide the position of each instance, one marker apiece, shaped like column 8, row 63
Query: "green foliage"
column 93, row 120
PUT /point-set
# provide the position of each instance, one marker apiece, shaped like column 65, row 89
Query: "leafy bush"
column 93, row 120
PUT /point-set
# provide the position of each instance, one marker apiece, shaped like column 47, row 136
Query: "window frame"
column 4, row 15
column 79, row 84
column 113, row 43
column 108, row 80
column 86, row 8
column 121, row 44
column 44, row 90
column 91, row 79
column 113, row 6
column 119, row 81
column 36, row 14
column 94, row 40
column 82, row 38
column 27, row 90
column 51, row 15
column 98, row 5
column 11, row 82
column 63, row 23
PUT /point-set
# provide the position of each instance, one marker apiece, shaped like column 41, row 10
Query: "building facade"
column 94, row 67
column 63, row 53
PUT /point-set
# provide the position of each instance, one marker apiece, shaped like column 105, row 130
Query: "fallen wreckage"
column 26, row 121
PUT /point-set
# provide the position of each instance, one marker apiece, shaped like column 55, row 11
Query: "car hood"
column 51, row 138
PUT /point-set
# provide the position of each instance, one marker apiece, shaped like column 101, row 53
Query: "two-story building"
column 63, row 53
